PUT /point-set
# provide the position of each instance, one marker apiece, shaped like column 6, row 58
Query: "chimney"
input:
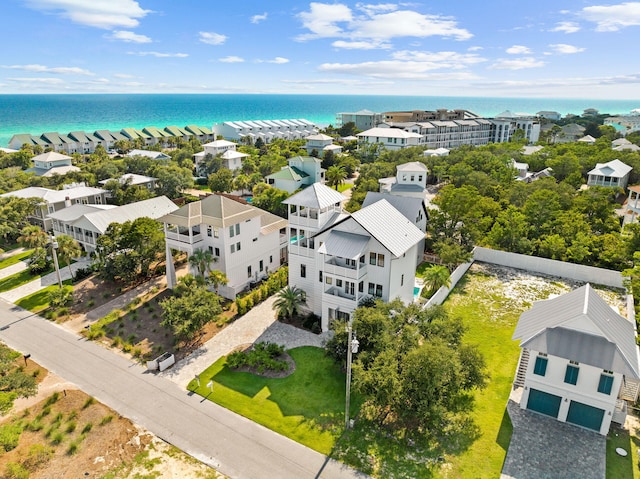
column 67, row 202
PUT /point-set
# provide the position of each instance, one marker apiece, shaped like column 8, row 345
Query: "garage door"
column 544, row 403
column 585, row 415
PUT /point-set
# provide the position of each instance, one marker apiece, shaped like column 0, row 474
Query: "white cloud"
column 259, row 18
column 122, row 75
column 279, row 60
column 48, row 81
column 338, row 81
column 129, row 37
column 212, row 38
column 45, row 69
column 95, row 13
column 517, row 64
column 611, row 18
column 376, row 24
column 518, row 50
column 231, row 59
column 159, row 54
column 575, row 82
column 564, row 49
column 566, row 27
column 452, row 60
column 395, row 69
column 475, row 49
column 362, row 45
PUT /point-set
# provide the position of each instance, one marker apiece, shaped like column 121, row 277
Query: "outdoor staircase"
column 629, row 390
column 522, row 369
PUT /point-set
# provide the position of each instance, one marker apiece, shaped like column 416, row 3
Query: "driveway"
column 543, row 448
column 230, row 443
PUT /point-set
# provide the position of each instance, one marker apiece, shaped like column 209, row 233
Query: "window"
column 605, row 384
column 349, row 288
column 379, row 290
column 249, row 271
column 339, row 283
column 376, row 259
column 361, row 287
column 372, row 259
column 320, row 276
column 419, row 177
column 381, row 260
column 216, row 233
column 261, row 267
column 216, row 251
column 209, row 231
column 238, row 229
column 371, row 288
column 211, row 249
column 362, row 259
column 303, row 270
column 328, row 279
column 413, row 178
column 540, row 367
column 402, row 280
column 231, row 231
column 233, row 248
column 571, row 374
column 270, row 259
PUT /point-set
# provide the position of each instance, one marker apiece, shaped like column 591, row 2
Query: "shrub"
column 73, row 448
column 35, row 425
column 90, row 303
column 86, row 428
column 9, row 436
column 82, row 273
column 57, row 438
column 71, row 426
column 106, row 420
column 38, row 455
column 15, row 470
column 241, row 306
column 88, row 402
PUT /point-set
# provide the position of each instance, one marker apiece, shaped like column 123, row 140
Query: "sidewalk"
column 11, row 252
column 13, row 269
column 36, row 285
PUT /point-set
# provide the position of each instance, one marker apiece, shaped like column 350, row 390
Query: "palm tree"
column 289, row 300
column 436, row 277
column 33, row 237
column 68, row 248
column 336, row 175
column 217, row 278
column 201, row 260
column 241, row 183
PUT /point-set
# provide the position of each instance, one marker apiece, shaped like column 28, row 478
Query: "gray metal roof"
column 409, row 206
column 75, row 211
column 387, row 225
column 316, row 195
column 582, row 312
column 344, row 245
column 153, row 208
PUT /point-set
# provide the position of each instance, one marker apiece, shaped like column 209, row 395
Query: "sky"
column 497, row 48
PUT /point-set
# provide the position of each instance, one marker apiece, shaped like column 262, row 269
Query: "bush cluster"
column 262, row 357
column 273, row 284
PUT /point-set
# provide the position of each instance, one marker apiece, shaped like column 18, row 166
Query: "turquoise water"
column 416, row 291
column 36, row 114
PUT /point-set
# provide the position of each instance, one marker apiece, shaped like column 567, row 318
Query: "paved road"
column 232, row 444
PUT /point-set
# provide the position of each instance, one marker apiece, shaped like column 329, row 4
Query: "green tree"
column 437, row 276
column 217, row 278
column 335, row 176
column 68, row 248
column 201, row 260
column 241, row 183
column 289, row 301
column 14, row 212
column 187, row 313
column 270, row 199
column 221, row 181
column 33, row 237
column 172, row 180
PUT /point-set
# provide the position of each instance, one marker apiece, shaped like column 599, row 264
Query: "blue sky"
column 561, row 48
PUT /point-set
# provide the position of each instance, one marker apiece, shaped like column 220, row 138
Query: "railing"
column 182, row 238
column 330, row 267
column 335, row 291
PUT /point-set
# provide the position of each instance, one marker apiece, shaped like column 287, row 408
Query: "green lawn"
column 38, row 302
column 344, row 187
column 15, row 258
column 307, row 406
column 24, row 277
column 619, row 467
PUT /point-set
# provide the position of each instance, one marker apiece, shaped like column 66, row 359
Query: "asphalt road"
column 226, row 441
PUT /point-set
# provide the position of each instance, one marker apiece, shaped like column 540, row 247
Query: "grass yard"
column 344, row 187
column 38, row 302
column 11, row 260
column 24, row 277
column 307, row 406
column 619, row 467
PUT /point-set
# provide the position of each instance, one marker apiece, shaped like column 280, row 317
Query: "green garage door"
column 544, row 403
column 585, row 415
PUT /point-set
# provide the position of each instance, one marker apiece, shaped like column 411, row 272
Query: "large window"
column 540, row 368
column 605, row 384
column 571, row 374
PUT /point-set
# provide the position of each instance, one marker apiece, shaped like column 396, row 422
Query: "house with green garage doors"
column 579, row 360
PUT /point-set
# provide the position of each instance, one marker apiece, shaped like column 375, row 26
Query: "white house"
column 132, row 179
column 507, row 122
column 246, row 242
column 300, row 172
column 579, row 360
column 321, row 143
column 8, row 150
column 55, row 200
column 613, row 173
column 436, row 152
column 266, row 130
column 52, row 163
column 633, row 202
column 410, row 180
column 231, row 158
column 588, row 139
column 340, row 259
column 390, row 138
column 363, row 119
column 86, row 223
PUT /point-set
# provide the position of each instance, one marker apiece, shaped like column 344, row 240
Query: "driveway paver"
column 13, row 269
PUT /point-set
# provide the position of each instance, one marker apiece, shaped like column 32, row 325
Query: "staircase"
column 629, row 390
column 522, row 369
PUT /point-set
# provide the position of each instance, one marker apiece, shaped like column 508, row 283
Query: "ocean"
column 37, row 114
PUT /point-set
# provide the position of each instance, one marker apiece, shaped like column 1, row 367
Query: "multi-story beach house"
column 579, row 361
column 340, row 259
column 614, row 173
column 266, row 130
column 390, row 138
column 226, row 150
column 301, row 171
column 51, row 163
column 56, row 200
column 245, row 241
column 86, row 223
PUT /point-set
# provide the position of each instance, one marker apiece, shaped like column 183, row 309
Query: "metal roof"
column 75, row 211
column 581, row 311
column 55, row 196
column 409, row 206
column 390, row 227
column 344, row 245
column 51, row 156
column 613, row 168
column 412, row 166
column 316, row 195
column 153, row 208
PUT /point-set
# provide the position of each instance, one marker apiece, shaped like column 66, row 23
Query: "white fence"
column 576, row 272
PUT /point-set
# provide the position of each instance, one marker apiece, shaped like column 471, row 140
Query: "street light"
column 54, row 249
column 352, row 348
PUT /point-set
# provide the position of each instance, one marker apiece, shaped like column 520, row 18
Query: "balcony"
column 336, row 267
column 184, row 238
column 340, row 292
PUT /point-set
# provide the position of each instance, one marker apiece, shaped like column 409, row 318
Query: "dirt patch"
column 69, row 434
